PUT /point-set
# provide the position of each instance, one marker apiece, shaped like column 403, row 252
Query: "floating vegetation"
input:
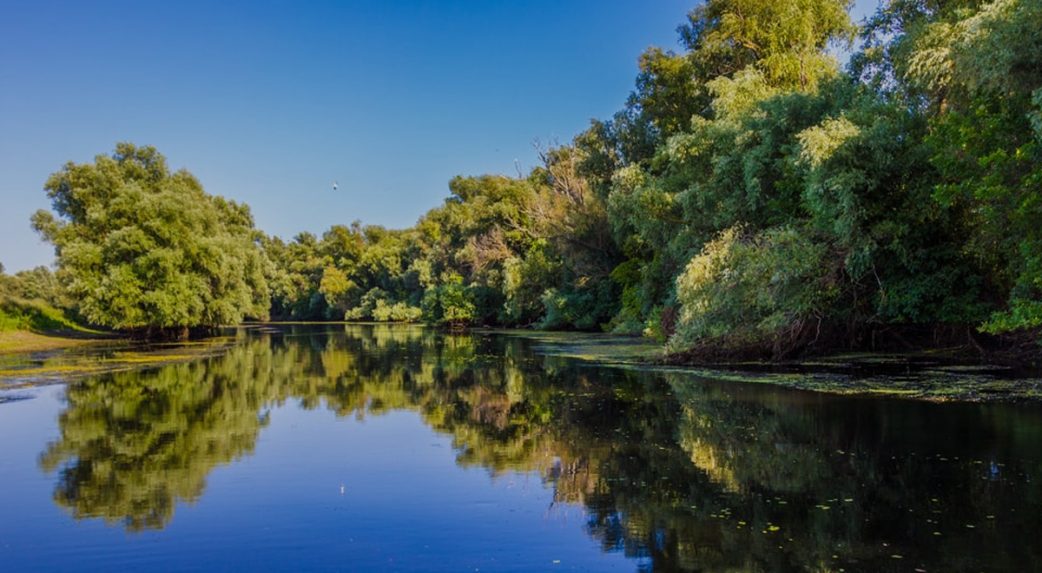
column 603, row 349
column 907, row 376
column 64, row 365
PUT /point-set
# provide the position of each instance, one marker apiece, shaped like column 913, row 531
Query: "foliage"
column 785, row 41
column 750, row 187
column 397, row 312
column 905, row 187
column 375, row 305
column 144, row 248
column 39, row 283
column 449, row 304
column 35, row 315
column 487, row 256
column 753, row 290
column 35, row 300
column 987, row 143
column 336, row 287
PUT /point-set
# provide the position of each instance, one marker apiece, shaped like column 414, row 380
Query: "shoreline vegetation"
column 753, row 201
column 35, row 325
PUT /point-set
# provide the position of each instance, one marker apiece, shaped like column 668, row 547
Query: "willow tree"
column 146, row 249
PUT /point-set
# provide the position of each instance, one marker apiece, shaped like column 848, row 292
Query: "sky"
column 269, row 103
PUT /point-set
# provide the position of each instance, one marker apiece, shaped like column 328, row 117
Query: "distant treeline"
column 750, row 198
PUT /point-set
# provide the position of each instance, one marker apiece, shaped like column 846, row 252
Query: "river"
column 394, row 448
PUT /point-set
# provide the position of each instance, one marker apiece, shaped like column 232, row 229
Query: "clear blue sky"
column 269, row 102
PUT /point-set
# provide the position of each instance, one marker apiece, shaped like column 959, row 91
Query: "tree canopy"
column 142, row 247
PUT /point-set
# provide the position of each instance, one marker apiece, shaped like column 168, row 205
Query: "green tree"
column 451, row 304
column 900, row 193
column 983, row 67
column 147, row 249
column 785, row 41
column 336, row 287
column 754, row 292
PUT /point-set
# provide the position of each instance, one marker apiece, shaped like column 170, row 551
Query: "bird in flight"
column 335, row 186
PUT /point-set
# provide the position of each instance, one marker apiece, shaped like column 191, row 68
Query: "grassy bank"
column 33, row 326
column 14, row 341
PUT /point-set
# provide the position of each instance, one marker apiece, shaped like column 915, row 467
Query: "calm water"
column 381, row 448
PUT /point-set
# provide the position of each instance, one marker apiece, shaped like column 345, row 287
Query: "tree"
column 146, row 249
column 450, row 304
column 760, row 292
column 785, row 41
column 336, row 287
column 983, row 68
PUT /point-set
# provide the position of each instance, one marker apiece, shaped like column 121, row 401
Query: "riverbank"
column 19, row 341
column 34, row 359
column 37, row 326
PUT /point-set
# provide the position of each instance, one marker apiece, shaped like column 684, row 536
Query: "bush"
column 397, row 312
column 34, row 315
column 376, row 305
column 743, row 291
column 450, row 304
column 587, row 308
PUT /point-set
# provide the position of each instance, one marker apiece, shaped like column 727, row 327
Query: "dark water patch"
column 935, row 377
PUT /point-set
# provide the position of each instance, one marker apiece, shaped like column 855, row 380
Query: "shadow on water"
column 685, row 473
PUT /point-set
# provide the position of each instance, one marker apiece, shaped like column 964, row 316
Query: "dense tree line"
column 39, row 284
column 535, row 251
column 752, row 196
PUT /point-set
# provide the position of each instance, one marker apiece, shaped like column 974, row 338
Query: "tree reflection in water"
column 689, row 473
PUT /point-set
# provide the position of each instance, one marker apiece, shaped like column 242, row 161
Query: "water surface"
column 362, row 448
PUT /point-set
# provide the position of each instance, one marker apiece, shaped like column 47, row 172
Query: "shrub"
column 450, row 304
column 376, row 305
column 743, row 291
column 35, row 315
column 397, row 312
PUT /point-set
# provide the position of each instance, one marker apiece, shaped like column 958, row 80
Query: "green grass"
column 36, row 316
